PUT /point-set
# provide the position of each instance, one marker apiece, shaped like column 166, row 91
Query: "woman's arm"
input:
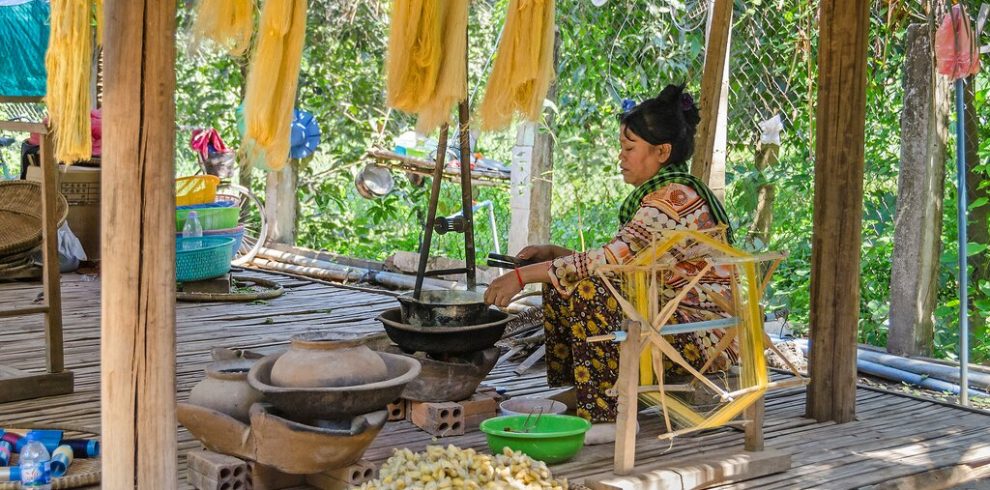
column 543, row 253
column 508, row 285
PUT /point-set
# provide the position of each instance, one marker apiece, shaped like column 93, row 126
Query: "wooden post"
column 137, row 350
column 714, row 91
column 920, row 188
column 838, row 209
column 55, row 359
column 282, row 205
column 532, row 188
column 532, row 177
column 754, row 425
column 628, row 388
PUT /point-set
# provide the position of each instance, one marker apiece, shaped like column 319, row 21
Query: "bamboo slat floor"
column 896, row 437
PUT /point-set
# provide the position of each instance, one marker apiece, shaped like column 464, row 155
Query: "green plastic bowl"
column 210, row 218
column 551, row 438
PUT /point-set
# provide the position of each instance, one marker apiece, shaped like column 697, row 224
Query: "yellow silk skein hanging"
column 451, row 85
column 523, row 65
column 228, row 23
column 68, row 61
column 415, row 51
column 272, row 83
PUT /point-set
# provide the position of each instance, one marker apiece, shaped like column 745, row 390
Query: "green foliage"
column 626, row 49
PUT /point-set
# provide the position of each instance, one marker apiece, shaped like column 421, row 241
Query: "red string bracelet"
column 519, row 277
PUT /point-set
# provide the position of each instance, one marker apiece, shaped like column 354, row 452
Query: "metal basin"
column 454, row 379
column 487, row 330
column 442, row 308
column 308, row 404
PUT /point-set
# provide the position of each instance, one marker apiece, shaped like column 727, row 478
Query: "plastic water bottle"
column 35, row 465
column 192, row 229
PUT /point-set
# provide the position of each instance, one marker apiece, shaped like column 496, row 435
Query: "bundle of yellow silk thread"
column 427, row 59
column 523, row 65
column 69, row 65
column 228, row 23
column 636, row 285
column 414, row 53
column 451, row 86
column 272, row 83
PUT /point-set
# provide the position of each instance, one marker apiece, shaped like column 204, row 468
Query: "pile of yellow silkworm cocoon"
column 455, row 468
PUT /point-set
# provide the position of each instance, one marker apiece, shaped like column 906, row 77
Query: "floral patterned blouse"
column 672, row 207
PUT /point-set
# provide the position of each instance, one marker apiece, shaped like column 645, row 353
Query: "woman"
column 656, row 139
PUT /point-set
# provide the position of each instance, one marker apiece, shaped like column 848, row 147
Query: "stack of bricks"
column 207, row 470
column 344, row 478
column 444, row 419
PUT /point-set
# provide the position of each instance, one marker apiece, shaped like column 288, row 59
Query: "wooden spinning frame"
column 644, row 331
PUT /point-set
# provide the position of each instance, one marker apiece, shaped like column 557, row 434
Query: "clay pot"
column 332, row 403
column 226, row 389
column 315, row 361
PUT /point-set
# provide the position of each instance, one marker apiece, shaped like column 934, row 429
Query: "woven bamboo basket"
column 82, row 472
column 20, row 216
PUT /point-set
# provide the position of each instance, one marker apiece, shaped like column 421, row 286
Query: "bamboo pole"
column 138, row 212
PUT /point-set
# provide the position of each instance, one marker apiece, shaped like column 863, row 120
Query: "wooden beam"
column 838, row 209
column 282, row 204
column 701, row 471
column 713, row 86
column 51, row 275
column 628, row 403
column 23, row 127
column 20, row 385
column 29, row 310
column 21, row 99
column 137, row 351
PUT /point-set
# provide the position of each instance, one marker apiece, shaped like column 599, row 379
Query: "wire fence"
column 772, row 60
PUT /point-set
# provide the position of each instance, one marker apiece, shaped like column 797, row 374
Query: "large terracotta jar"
column 315, row 361
column 226, row 389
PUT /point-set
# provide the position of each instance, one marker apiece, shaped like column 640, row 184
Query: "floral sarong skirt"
column 593, row 368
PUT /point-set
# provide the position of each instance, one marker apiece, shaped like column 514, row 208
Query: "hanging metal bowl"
column 374, row 182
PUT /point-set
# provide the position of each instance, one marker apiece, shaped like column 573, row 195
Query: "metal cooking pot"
column 447, row 308
column 442, row 308
column 374, row 182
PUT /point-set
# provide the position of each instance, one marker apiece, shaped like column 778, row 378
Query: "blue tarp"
column 24, row 28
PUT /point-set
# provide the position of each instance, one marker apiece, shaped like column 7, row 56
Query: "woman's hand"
column 503, row 289
column 542, row 253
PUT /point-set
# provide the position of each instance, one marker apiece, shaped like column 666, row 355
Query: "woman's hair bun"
column 670, row 117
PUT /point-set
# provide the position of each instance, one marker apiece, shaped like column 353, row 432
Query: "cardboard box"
column 81, row 188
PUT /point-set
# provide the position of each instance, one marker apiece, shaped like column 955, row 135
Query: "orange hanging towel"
column 272, row 83
column 523, row 65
